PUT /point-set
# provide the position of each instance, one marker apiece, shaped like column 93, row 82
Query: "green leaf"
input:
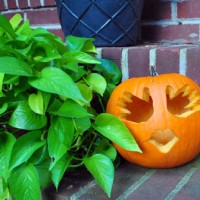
column 79, row 57
column 71, row 109
column 85, row 91
column 102, row 169
column 80, row 44
column 46, row 52
column 56, row 81
column 96, row 82
column 114, row 129
column 3, row 108
column 36, row 104
column 7, row 141
column 6, row 26
column 46, row 98
column 16, row 20
column 79, row 74
column 24, row 30
column 82, row 124
column 24, row 183
column 14, row 66
column 24, row 148
column 40, row 155
column 60, row 138
column 110, row 70
column 44, row 173
column 24, row 118
column 1, row 83
column 59, row 169
column 107, row 149
column 71, row 66
column 4, row 192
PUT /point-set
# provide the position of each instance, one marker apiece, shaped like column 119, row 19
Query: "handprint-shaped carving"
column 135, row 109
column 184, row 102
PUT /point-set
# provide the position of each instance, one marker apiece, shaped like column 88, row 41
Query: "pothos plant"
column 52, row 111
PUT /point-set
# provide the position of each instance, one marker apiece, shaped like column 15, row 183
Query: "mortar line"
column 6, row 4
column 42, row 2
column 17, row 3
column 99, row 52
column 199, row 32
column 183, row 181
column 174, row 11
column 137, row 184
column 47, row 26
column 124, row 64
column 183, row 61
column 153, row 57
column 29, row 3
column 83, row 190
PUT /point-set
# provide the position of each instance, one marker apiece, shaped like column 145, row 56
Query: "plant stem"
column 101, row 103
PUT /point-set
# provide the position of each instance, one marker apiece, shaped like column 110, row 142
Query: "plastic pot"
column 110, row 22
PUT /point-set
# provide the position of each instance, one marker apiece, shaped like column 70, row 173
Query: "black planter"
column 110, row 22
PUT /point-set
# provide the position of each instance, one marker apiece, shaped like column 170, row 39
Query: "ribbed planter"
column 110, row 22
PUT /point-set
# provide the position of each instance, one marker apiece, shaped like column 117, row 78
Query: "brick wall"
column 163, row 20
column 166, row 58
column 167, row 21
column 175, row 21
column 40, row 13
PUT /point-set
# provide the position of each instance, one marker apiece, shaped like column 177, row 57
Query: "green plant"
column 52, row 103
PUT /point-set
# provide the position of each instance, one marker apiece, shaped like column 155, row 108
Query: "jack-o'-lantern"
column 163, row 114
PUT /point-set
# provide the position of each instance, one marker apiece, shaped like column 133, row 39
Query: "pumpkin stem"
column 152, row 71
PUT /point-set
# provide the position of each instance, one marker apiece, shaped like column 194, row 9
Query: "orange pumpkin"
column 163, row 114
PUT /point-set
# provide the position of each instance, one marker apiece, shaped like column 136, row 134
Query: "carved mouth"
column 163, row 140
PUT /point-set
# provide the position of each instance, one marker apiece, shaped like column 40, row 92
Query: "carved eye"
column 136, row 109
column 182, row 103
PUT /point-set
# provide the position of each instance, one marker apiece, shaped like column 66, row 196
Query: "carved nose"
column 163, row 140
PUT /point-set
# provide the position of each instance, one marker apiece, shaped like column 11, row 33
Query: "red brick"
column 156, row 11
column 193, row 67
column 12, row 4
column 190, row 191
column 138, row 58
column 49, row 3
column 177, row 33
column 189, row 9
column 160, row 184
column 48, row 16
column 113, row 53
column 23, row 4
column 35, row 3
column 167, row 60
column 10, row 15
column 147, row 11
column 2, row 5
column 161, row 10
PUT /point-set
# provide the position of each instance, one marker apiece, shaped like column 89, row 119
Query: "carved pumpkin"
column 163, row 114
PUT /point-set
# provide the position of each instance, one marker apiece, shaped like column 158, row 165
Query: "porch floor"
column 134, row 182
